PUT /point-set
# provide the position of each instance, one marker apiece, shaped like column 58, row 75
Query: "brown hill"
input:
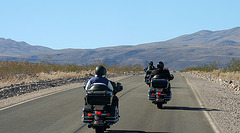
column 195, row 49
column 12, row 48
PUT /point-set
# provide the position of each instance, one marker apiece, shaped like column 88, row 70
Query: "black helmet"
column 151, row 63
column 160, row 65
column 100, row 70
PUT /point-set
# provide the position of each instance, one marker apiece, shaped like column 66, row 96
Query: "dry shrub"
column 18, row 79
column 220, row 74
column 230, row 75
column 12, row 72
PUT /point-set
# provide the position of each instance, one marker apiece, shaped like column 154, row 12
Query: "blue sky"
column 87, row 24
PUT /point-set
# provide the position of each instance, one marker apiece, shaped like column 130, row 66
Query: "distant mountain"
column 12, row 48
column 195, row 49
column 204, row 37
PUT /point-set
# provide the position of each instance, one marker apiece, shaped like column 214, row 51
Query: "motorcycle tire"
column 99, row 129
column 160, row 105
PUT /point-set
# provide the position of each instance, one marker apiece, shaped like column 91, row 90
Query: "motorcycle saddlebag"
column 159, row 83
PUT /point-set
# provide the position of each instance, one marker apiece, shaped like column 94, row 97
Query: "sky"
column 89, row 24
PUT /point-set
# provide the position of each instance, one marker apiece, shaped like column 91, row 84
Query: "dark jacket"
column 161, row 74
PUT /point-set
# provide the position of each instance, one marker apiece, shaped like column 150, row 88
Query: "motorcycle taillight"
column 99, row 112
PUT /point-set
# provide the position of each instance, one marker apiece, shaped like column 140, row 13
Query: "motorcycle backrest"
column 99, row 87
column 160, row 76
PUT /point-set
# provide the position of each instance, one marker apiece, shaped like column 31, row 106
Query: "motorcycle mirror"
column 84, row 86
column 172, row 77
column 120, row 87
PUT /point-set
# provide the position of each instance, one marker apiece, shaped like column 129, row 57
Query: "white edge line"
column 214, row 127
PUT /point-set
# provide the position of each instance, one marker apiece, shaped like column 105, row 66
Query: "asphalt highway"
column 61, row 112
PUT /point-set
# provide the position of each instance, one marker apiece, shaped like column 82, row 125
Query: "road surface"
column 61, row 112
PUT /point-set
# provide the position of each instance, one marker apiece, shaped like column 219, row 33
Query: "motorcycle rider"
column 100, row 78
column 162, row 73
column 148, row 71
column 150, row 67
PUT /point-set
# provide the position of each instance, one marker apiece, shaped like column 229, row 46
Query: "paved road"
column 61, row 113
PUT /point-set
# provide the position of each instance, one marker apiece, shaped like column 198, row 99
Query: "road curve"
column 61, row 112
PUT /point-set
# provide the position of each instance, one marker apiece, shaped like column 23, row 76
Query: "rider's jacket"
column 99, row 80
column 150, row 68
column 163, row 73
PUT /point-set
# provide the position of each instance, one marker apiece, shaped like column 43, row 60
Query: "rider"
column 148, row 70
column 150, row 67
column 100, row 78
column 163, row 73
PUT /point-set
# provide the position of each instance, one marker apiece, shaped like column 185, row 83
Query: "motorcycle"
column 99, row 112
column 146, row 78
column 159, row 92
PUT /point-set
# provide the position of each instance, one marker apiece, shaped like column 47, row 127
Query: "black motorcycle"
column 160, row 91
column 147, row 76
column 99, row 112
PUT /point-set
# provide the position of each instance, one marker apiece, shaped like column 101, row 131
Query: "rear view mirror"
column 172, row 77
column 119, row 86
column 84, row 86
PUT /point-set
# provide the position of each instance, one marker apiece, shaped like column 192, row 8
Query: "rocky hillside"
column 190, row 50
column 12, row 48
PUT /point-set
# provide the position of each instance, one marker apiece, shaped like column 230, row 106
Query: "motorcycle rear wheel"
column 160, row 105
column 99, row 129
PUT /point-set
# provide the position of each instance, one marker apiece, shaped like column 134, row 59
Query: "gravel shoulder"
column 223, row 102
column 12, row 101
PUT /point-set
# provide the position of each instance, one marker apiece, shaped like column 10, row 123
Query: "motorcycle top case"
column 159, row 83
column 99, row 95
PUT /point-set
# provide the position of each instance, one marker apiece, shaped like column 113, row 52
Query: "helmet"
column 151, row 63
column 160, row 65
column 100, row 70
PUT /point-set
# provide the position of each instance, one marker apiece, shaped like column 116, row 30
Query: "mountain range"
column 200, row 48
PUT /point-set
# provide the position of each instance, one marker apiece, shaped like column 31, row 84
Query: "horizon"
column 118, row 45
